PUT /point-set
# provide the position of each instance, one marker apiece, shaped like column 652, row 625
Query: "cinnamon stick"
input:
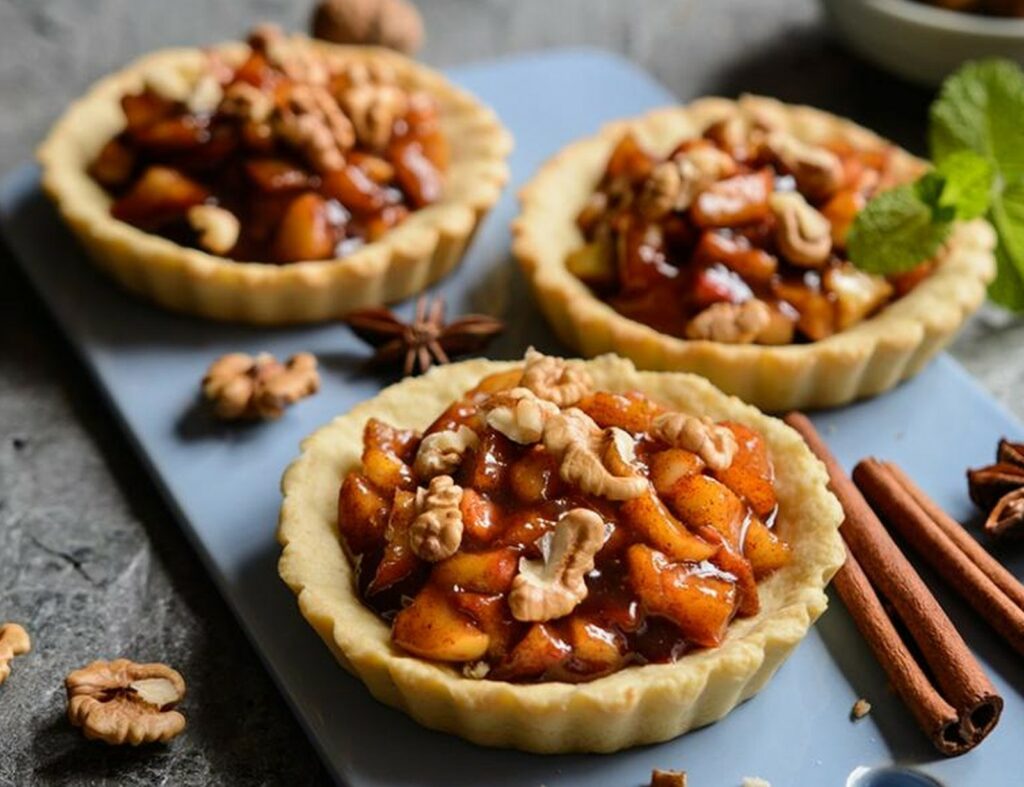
column 956, row 673
column 889, row 494
column 934, row 715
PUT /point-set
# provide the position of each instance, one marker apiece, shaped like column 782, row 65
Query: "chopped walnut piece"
column 436, row 532
column 123, row 702
column 441, row 453
column 818, row 171
column 661, row 191
column 218, row 227
column 754, row 781
column 732, row 323
column 673, row 185
column 555, row 379
column 291, row 54
column 715, row 444
column 804, row 236
column 660, row 778
column 519, row 414
column 860, row 709
column 553, row 587
column 476, row 670
column 247, row 102
column 590, row 459
column 373, row 109
column 391, row 23
column 310, row 120
column 14, row 641
column 241, row 386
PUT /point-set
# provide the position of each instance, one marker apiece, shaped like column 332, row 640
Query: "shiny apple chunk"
column 431, row 627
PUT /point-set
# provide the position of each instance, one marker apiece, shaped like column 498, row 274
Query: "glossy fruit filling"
column 303, row 163
column 673, row 565
column 738, row 236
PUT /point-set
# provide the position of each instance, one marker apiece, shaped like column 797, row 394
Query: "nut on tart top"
column 711, row 238
column 281, row 180
column 531, row 543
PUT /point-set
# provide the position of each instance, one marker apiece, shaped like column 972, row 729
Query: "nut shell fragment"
column 14, row 641
column 122, row 702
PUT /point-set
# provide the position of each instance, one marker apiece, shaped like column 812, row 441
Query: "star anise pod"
column 999, row 490
column 425, row 341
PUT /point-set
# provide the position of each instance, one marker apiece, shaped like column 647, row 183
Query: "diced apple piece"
column 398, row 561
column 478, row 572
column 486, row 467
column 616, row 543
column 275, row 175
column 400, row 442
column 747, row 601
column 525, row 526
column 305, row 231
column 499, row 381
column 174, row 134
column 751, row 475
column 356, row 190
column 114, row 164
column 817, row 314
column 765, row 550
column 701, row 501
column 432, row 628
column 841, row 210
column 857, row 293
column 159, row 196
column 492, row 615
column 540, row 651
column 459, row 413
column 481, row 519
column 667, row 467
column 649, row 520
column 597, row 649
column 740, row 199
column 416, row 174
column 386, row 470
column 362, row 514
column 736, row 253
column 534, row 477
column 593, row 264
column 629, row 160
column 141, row 110
column 632, row 411
column 376, row 168
column 698, row 601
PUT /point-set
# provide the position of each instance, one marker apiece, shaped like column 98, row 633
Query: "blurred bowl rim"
column 947, row 20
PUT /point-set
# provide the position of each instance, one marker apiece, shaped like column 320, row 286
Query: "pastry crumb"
column 860, row 709
column 755, row 781
column 660, row 778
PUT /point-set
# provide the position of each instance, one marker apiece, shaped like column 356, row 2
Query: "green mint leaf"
column 980, row 108
column 958, row 188
column 1007, row 289
column 896, row 231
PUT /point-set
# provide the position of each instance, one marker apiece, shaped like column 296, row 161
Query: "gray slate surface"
column 90, row 558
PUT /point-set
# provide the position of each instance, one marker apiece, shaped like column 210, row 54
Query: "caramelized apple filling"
column 525, row 540
column 295, row 154
column 737, row 236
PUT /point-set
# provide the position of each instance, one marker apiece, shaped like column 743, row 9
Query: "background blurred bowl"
column 920, row 42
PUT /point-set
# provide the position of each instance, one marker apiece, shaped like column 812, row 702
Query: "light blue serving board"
column 222, row 481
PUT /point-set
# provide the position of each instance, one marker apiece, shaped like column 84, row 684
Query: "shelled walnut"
column 241, row 386
column 391, row 23
column 436, row 533
column 14, row 641
column 122, row 702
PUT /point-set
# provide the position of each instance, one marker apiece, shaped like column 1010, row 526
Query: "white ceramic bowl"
column 920, row 42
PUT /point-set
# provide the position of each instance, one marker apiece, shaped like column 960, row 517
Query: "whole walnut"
column 391, row 23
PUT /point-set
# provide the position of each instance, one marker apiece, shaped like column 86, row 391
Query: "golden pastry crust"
column 865, row 360
column 422, row 249
column 634, row 706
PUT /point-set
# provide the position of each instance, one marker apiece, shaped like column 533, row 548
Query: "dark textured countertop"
column 91, row 560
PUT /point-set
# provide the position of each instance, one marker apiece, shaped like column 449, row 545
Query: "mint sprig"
column 976, row 134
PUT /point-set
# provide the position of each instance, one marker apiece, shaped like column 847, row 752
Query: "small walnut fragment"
column 715, row 444
column 519, row 414
column 552, row 588
column 733, row 323
column 14, row 641
column 804, row 235
column 597, row 461
column 441, row 453
column 436, row 533
column 818, row 171
column 373, row 109
column 241, row 386
column 218, row 228
column 311, row 121
column 660, row 778
column 392, row 23
column 122, row 702
column 555, row 379
column 860, row 709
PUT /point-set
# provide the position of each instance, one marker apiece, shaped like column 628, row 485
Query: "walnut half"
column 555, row 379
column 14, row 641
column 441, row 452
column 803, row 234
column 715, row 444
column 241, row 386
column 436, row 532
column 553, row 587
column 122, row 702
column 597, row 462
column 519, row 414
